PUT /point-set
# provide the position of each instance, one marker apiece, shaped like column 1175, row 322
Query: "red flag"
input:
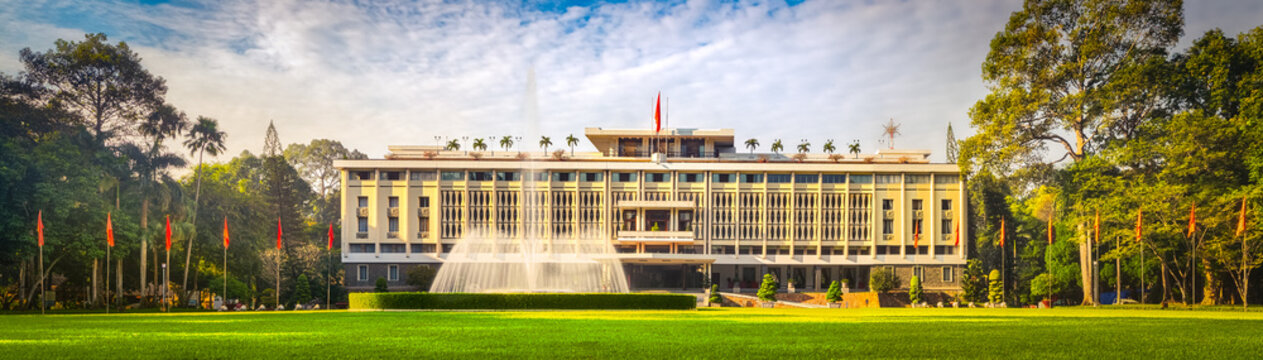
column 330, row 236
column 1096, row 226
column 109, row 230
column 168, row 232
column 39, row 226
column 657, row 115
column 1052, row 234
column 225, row 232
column 957, row 233
column 278, row 233
column 1001, row 232
column 1240, row 221
column 1192, row 220
column 916, row 235
column 1139, row 215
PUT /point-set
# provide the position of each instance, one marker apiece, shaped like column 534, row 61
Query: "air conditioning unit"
column 888, row 237
column 918, row 214
column 394, row 212
column 947, row 214
column 361, row 235
column 423, row 212
column 890, row 214
column 423, row 235
column 392, row 235
column 363, row 212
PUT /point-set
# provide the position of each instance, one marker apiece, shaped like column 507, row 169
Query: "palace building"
column 679, row 207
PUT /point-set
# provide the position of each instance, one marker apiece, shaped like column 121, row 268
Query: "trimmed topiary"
column 995, row 292
column 914, row 290
column 382, row 286
column 835, row 292
column 767, row 291
column 883, row 280
column 714, row 295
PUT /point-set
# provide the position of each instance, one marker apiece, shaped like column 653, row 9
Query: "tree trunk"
column 22, row 279
column 95, row 270
column 144, row 244
column 1210, row 285
column 197, row 195
column 1085, row 269
column 1166, row 291
column 118, row 293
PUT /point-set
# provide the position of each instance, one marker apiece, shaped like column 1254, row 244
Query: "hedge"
column 461, row 301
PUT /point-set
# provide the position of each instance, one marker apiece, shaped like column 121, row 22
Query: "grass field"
column 706, row 333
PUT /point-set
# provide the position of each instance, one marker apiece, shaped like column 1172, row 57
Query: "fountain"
column 493, row 264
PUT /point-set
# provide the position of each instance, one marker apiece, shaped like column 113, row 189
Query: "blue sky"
column 373, row 73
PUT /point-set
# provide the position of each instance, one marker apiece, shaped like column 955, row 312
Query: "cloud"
column 371, row 74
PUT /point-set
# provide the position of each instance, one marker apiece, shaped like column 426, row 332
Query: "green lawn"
column 706, row 333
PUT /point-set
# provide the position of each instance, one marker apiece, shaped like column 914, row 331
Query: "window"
column 629, row 220
column 685, row 220
column 656, row 177
column 888, row 226
column 362, row 201
column 393, row 224
column 918, row 271
column 393, row 201
column 592, row 177
column 833, row 179
column 887, row 204
column 363, row 248
column 392, row 273
column 946, row 179
column 917, row 179
column 423, row 248
column 690, row 177
column 392, row 248
column 624, row 177
column 889, row 179
column 423, row 202
column 778, row 178
column 507, row 176
column 947, row 226
column 861, row 179
column 428, row 175
column 539, row 176
column 390, row 175
column 949, row 274
column 563, row 176
column 362, row 175
column 916, row 204
column 806, row 179
column 452, row 176
column 362, row 224
column 479, row 176
column 723, row 178
column 362, row 272
column 752, row 178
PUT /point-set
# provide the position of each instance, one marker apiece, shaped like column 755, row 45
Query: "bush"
column 422, row 277
column 714, row 295
column 835, row 292
column 995, row 292
column 883, row 280
column 381, row 286
column 456, row 301
column 302, row 289
column 914, row 290
column 973, row 284
column 767, row 291
column 1039, row 286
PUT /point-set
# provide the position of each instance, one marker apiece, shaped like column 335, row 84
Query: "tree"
column 479, row 145
column 835, row 292
column 882, row 280
column 828, row 147
column 995, row 289
column 506, row 142
column 104, row 85
column 804, row 147
column 452, row 145
column 973, row 282
column 1077, row 68
column 314, row 162
column 271, row 142
column 164, row 122
column 914, row 290
column 572, row 141
column 777, row 146
column 752, row 144
column 854, row 148
column 545, row 142
column 381, row 286
column 1045, row 286
column 714, row 295
column 302, row 290
column 767, row 290
column 421, row 277
column 204, row 137
column 953, row 146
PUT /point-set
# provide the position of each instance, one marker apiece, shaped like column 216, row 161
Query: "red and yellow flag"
column 330, row 237
column 278, row 233
column 657, row 115
column 957, row 233
column 1192, row 220
column 168, row 232
column 916, row 235
column 1240, row 221
column 1096, row 227
column 39, row 228
column 225, row 232
column 1139, row 219
column 1052, row 234
column 1002, row 232
column 109, row 230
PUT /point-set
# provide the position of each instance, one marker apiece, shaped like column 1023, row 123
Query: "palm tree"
column 828, row 146
column 752, row 144
column 164, row 122
column 506, row 142
column 777, row 146
column 804, row 146
column 572, row 141
column 479, row 145
column 854, row 148
column 452, row 145
column 545, row 142
column 204, row 138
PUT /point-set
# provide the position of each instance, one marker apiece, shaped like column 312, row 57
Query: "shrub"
column 767, row 291
column 995, row 292
column 973, row 283
column 835, row 292
column 302, row 289
column 1039, row 286
column 883, row 280
column 714, row 295
column 419, row 300
column 381, row 285
column 914, row 290
column 421, row 276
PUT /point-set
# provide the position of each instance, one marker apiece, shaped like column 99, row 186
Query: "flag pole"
column 224, row 297
column 328, row 278
column 42, row 296
column 107, row 279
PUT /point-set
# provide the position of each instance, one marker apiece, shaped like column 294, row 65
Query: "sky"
column 378, row 73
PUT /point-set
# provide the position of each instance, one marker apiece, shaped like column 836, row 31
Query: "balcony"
column 656, row 237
